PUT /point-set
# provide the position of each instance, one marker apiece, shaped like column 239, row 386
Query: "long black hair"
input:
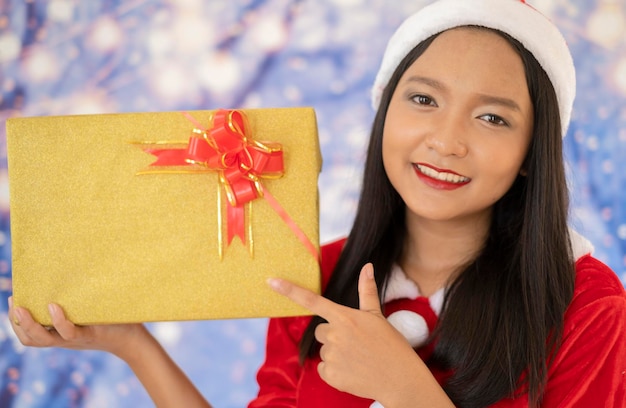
column 503, row 314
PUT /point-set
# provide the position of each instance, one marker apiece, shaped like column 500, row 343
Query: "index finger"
column 315, row 303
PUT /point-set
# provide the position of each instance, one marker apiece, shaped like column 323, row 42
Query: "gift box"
column 141, row 217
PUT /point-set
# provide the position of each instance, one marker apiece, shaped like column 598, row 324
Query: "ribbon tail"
column 236, row 216
column 291, row 224
column 168, row 157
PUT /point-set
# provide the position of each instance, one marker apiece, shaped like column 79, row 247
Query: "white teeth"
column 443, row 176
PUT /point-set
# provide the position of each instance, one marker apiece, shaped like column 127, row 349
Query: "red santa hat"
column 514, row 17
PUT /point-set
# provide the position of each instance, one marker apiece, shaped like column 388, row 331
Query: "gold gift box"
column 98, row 230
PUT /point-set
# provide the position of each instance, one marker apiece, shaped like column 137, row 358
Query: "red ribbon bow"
column 239, row 160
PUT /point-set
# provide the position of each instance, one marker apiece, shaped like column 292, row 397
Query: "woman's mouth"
column 440, row 179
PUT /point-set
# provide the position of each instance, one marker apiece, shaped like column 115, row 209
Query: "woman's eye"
column 423, row 100
column 494, row 119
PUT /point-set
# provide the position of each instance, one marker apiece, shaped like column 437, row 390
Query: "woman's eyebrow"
column 500, row 101
column 427, row 81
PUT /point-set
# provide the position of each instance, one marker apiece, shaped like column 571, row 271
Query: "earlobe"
column 523, row 172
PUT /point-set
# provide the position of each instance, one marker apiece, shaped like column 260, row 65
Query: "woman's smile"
column 438, row 178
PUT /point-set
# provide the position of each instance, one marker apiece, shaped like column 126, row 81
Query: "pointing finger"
column 313, row 302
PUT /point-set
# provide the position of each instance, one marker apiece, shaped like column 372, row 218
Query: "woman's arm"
column 164, row 381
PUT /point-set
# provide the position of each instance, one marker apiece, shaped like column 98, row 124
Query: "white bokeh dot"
column 219, row 73
column 621, row 232
column 606, row 26
column 10, row 47
column 168, row 333
column 60, row 11
column 620, row 75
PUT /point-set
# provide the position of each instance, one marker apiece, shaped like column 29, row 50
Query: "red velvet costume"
column 588, row 372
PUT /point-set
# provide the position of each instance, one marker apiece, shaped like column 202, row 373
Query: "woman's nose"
column 449, row 139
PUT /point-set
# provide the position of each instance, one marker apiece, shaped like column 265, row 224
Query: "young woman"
column 460, row 283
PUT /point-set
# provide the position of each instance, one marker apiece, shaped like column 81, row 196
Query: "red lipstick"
column 428, row 175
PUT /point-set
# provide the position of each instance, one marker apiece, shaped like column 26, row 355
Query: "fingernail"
column 52, row 309
column 10, row 300
column 17, row 316
column 275, row 284
column 369, row 271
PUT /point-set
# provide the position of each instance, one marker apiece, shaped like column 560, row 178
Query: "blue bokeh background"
column 70, row 57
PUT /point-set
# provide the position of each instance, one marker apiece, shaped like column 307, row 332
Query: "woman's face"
column 458, row 126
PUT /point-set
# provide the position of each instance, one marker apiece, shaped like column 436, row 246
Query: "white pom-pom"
column 411, row 325
column 376, row 404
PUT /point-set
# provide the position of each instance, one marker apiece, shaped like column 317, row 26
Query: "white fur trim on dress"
column 514, row 17
column 581, row 246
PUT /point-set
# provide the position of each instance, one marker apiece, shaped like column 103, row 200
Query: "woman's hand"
column 362, row 353
column 115, row 338
column 167, row 385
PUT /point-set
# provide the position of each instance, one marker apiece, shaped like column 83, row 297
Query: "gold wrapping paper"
column 112, row 246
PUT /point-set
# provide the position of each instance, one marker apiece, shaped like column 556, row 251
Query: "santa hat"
column 514, row 17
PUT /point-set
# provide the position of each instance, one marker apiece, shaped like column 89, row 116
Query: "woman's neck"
column 435, row 251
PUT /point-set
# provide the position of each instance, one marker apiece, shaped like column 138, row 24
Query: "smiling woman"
column 446, row 116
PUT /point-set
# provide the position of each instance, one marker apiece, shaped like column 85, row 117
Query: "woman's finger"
column 66, row 329
column 321, row 332
column 28, row 331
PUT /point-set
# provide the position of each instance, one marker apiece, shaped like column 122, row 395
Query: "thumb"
column 368, row 292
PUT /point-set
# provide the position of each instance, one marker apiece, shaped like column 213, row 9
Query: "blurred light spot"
column 269, row 34
column 621, row 233
column 89, row 102
column 337, row 87
column 10, row 47
column 8, row 85
column 620, row 75
column 6, row 284
column 603, row 112
column 122, row 389
column 220, row 73
column 606, row 26
column 168, row 332
column 4, row 190
column 60, row 11
column 39, row 387
column 297, row 63
column 13, row 388
column 253, row 100
column 40, row 65
column 607, row 166
column 190, row 5
column 292, row 94
column 13, row 373
column 544, row 6
column 592, row 143
column 192, row 34
column 171, row 82
column 606, row 213
column 248, row 346
column 347, row 3
column 160, row 42
column 106, row 35
column 77, row 378
column 238, row 372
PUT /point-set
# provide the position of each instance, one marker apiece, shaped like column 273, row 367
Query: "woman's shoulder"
column 595, row 276
column 597, row 284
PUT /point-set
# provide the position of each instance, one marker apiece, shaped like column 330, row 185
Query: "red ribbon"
column 239, row 160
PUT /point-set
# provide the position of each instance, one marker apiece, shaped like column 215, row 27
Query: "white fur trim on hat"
column 514, row 17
